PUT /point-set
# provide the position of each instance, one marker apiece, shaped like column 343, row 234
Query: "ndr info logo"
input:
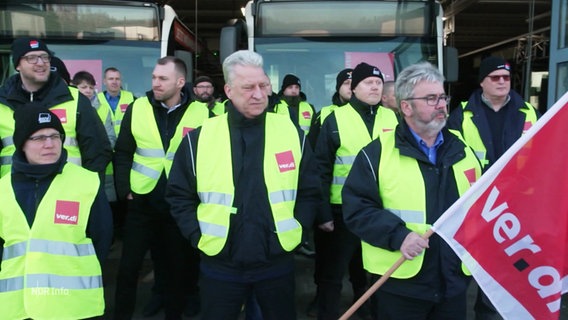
column 42, row 291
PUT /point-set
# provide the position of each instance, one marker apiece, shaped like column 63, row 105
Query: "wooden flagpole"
column 379, row 283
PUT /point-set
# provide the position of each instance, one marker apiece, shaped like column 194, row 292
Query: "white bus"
column 316, row 39
column 93, row 35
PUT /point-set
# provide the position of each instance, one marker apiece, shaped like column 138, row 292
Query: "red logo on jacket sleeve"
column 66, row 212
column 306, row 115
column 285, row 161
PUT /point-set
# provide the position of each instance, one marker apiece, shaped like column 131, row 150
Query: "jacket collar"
column 450, row 152
column 237, row 119
column 362, row 107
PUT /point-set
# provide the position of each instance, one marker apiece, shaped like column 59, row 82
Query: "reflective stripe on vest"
column 150, row 159
column 50, row 281
column 126, row 98
column 51, row 271
column 66, row 112
column 305, row 114
column 399, row 176
column 353, row 136
column 47, row 246
column 473, row 138
column 214, row 174
column 6, row 159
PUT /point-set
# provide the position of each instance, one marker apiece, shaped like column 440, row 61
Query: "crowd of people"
column 224, row 193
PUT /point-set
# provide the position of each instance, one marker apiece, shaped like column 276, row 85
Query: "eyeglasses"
column 33, row 59
column 496, row 78
column 43, row 138
column 204, row 87
column 432, row 100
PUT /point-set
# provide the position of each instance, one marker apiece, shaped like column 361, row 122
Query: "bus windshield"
column 135, row 61
column 80, row 21
column 334, row 18
column 90, row 37
column 317, row 60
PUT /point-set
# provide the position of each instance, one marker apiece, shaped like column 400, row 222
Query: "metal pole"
column 528, row 55
column 196, row 46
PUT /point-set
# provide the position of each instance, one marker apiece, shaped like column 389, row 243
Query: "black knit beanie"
column 363, row 71
column 342, row 76
column 201, row 79
column 289, row 80
column 491, row 64
column 21, row 46
column 58, row 66
column 30, row 118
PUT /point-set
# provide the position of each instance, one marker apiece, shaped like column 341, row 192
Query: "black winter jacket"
column 364, row 214
column 31, row 182
column 94, row 145
column 252, row 251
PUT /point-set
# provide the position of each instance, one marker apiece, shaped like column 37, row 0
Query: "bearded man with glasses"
column 398, row 186
column 86, row 141
column 203, row 90
column 492, row 120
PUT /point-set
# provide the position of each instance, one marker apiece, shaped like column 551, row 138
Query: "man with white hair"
column 241, row 193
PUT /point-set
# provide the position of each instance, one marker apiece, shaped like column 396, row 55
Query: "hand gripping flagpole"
column 379, row 283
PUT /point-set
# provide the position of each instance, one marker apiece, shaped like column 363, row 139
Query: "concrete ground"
column 305, row 289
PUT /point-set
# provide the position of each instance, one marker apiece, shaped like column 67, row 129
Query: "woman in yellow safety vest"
column 55, row 227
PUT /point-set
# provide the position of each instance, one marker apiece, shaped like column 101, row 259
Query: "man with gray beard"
column 399, row 185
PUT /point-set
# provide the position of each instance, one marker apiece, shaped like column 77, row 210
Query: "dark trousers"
column 119, row 209
column 187, row 264
column 223, row 299
column 336, row 252
column 484, row 309
column 144, row 228
column 394, row 307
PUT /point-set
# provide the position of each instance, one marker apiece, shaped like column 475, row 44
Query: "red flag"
column 511, row 228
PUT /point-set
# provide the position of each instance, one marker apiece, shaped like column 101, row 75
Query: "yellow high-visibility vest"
column 473, row 138
column 305, row 114
column 215, row 186
column 326, row 111
column 67, row 114
column 400, row 176
column 126, row 98
column 218, row 109
column 150, row 159
column 353, row 136
column 51, row 271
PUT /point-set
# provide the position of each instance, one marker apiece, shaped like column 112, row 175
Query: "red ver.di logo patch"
column 285, row 161
column 61, row 114
column 66, row 212
column 186, row 130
